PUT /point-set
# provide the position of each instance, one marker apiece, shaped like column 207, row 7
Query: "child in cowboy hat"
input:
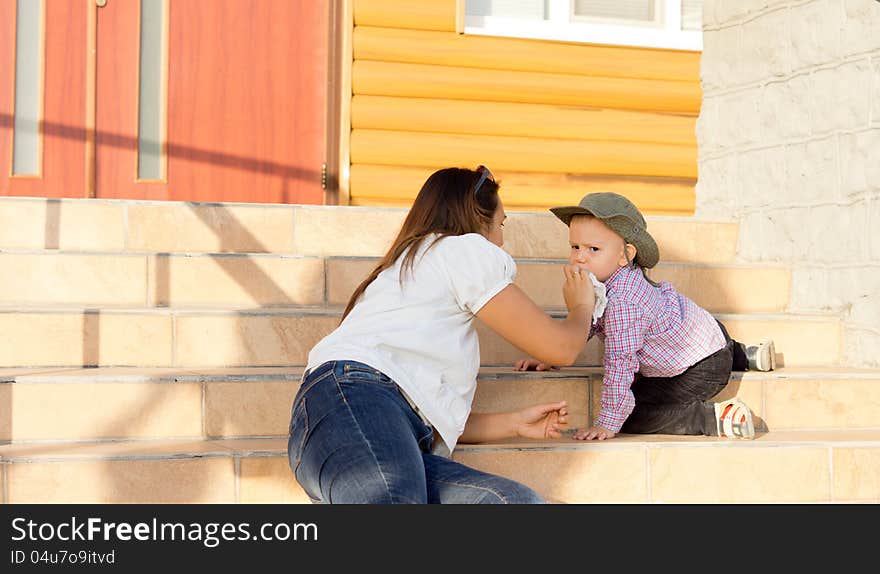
column 665, row 357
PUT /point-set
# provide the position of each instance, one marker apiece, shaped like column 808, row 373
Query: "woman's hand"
column 533, row 365
column 578, row 290
column 591, row 433
column 542, row 421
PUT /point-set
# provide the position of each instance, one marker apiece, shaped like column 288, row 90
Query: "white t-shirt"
column 421, row 332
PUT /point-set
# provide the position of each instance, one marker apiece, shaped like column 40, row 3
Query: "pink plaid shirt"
column 650, row 330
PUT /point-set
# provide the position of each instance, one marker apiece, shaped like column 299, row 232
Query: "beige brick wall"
column 789, row 144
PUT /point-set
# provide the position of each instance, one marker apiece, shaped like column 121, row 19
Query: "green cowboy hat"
column 622, row 217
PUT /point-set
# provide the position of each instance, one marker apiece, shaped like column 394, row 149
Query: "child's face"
column 595, row 247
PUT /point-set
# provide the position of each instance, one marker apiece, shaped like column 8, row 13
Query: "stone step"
column 283, row 336
column 220, row 403
column 182, row 227
column 800, row 340
column 776, row 467
column 108, row 280
column 718, row 288
column 41, row 405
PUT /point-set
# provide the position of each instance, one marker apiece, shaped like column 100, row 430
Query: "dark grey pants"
column 680, row 404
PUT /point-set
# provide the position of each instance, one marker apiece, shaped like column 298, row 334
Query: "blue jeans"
column 354, row 439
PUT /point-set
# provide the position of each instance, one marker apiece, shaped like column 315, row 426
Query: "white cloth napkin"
column 601, row 299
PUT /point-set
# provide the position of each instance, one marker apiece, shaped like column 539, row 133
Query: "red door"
column 243, row 104
column 62, row 165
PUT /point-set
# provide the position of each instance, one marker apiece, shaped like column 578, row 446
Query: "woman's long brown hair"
column 446, row 205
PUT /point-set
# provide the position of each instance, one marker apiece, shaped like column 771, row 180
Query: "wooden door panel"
column 248, row 87
column 7, row 90
column 116, row 105
column 63, row 115
column 246, row 101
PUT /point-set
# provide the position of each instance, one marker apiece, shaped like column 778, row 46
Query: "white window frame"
column 562, row 25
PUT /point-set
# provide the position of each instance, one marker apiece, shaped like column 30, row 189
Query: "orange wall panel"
column 247, row 86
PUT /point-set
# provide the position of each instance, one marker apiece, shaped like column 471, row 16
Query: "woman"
column 387, row 395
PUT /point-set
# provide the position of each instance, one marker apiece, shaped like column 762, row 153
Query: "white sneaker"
column 733, row 419
column 762, row 357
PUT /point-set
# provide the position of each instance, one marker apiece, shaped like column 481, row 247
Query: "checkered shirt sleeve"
column 625, row 328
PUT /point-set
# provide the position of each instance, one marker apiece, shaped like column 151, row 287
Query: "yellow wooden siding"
column 523, row 154
column 397, row 186
column 553, row 120
column 421, row 81
column 513, row 119
column 414, row 14
column 494, row 53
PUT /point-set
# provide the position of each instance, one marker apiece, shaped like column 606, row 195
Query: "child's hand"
column 591, row 433
column 542, row 421
column 533, row 365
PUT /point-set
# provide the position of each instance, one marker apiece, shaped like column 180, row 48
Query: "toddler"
column 665, row 357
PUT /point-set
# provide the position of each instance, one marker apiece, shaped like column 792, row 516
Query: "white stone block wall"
column 789, row 144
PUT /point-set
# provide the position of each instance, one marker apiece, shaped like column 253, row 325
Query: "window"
column 26, row 146
column 151, row 97
column 628, row 12
column 672, row 24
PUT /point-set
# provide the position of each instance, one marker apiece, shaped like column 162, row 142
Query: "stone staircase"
column 150, row 351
